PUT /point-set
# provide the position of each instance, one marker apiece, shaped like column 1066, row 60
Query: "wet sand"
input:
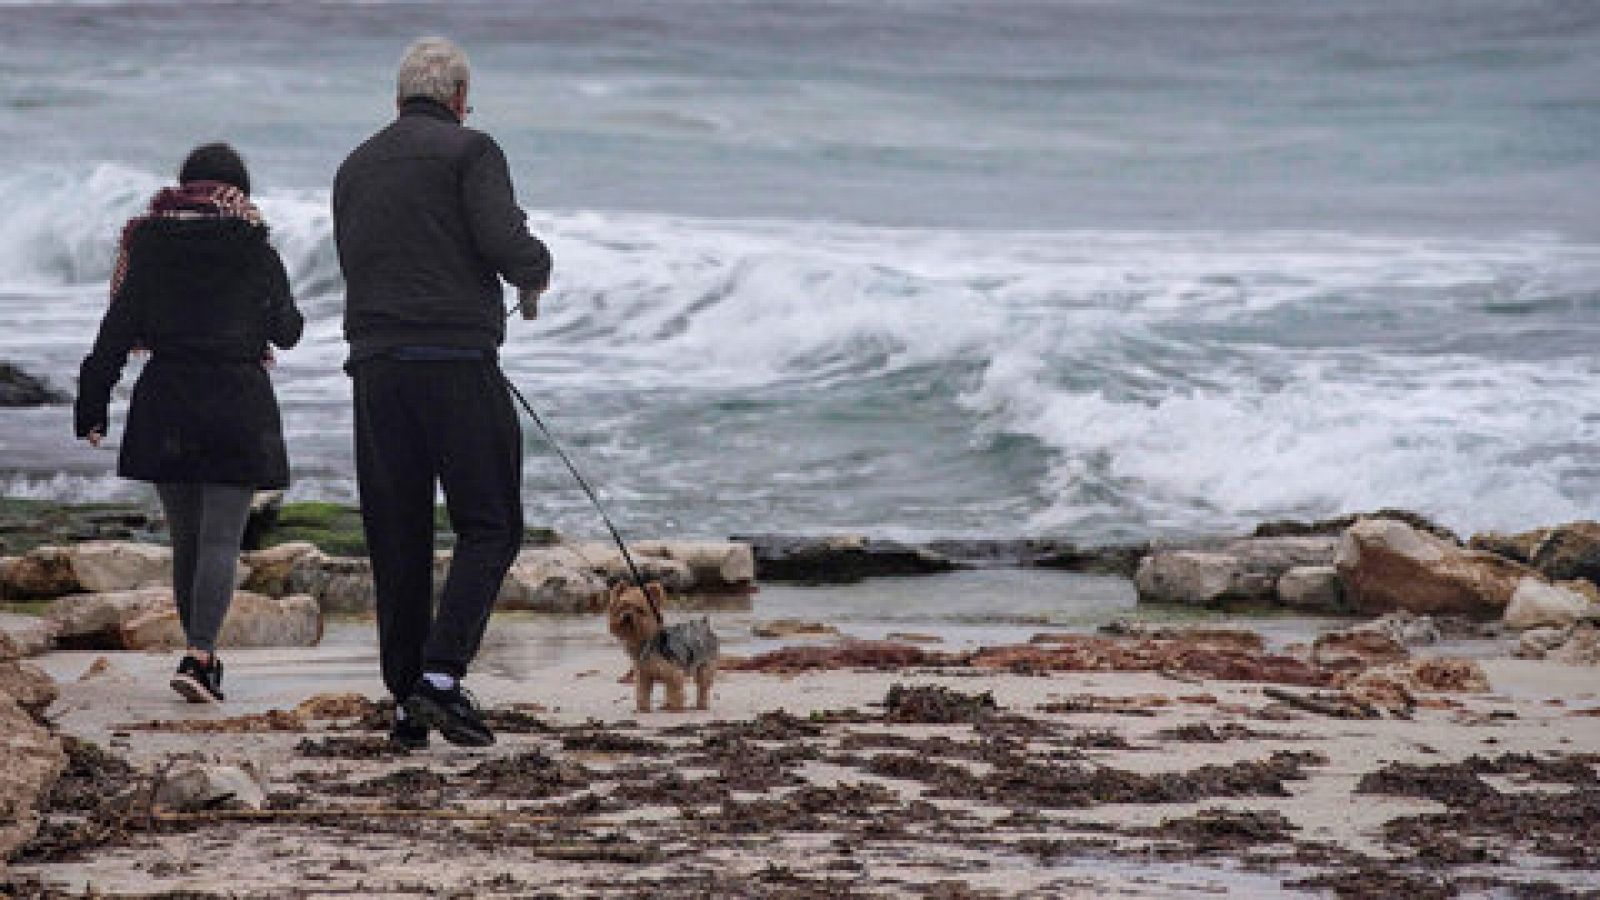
column 1119, row 784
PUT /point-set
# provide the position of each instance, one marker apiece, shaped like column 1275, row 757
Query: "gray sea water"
column 1101, row 268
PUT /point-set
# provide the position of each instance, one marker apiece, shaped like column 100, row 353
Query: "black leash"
column 555, row 445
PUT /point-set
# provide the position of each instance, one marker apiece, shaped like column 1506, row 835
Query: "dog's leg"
column 642, row 685
column 703, row 677
column 675, row 695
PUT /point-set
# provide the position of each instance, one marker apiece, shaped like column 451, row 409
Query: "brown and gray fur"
column 669, row 655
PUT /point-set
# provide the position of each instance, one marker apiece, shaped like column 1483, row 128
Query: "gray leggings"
column 207, row 524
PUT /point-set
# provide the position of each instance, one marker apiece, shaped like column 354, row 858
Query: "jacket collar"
column 426, row 106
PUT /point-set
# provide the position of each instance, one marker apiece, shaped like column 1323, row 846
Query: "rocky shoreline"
column 1361, row 762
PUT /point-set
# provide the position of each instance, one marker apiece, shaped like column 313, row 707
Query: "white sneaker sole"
column 191, row 690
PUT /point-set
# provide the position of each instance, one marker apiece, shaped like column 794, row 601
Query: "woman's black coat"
column 204, row 296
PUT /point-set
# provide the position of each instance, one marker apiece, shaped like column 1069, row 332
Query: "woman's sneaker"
column 199, row 683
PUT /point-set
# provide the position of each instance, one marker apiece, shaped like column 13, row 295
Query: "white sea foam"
column 1158, row 381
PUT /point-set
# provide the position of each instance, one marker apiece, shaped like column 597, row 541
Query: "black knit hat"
column 215, row 162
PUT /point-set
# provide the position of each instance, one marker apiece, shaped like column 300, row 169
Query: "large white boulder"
column 1387, row 565
column 547, row 585
column 102, row 566
column 1314, row 589
column 1536, row 603
column 254, row 620
column 341, row 584
column 1195, row 578
column 93, row 621
column 605, row 560
column 713, row 565
column 148, row 620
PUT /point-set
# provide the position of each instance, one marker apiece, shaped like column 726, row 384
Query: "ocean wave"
column 1150, row 382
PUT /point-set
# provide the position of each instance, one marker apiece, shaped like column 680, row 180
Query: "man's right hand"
column 528, row 302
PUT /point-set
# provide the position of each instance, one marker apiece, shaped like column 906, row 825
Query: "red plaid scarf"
column 195, row 200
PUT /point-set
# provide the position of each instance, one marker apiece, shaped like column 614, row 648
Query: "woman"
column 197, row 285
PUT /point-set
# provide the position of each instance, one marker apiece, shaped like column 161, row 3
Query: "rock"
column 42, row 572
column 1515, row 547
column 713, row 565
column 1337, row 526
column 18, row 388
column 148, row 620
column 1277, row 555
column 1387, row 565
column 1536, row 643
column 198, row 788
column 340, row 584
column 254, row 620
column 1581, row 646
column 22, row 636
column 839, row 559
column 1537, row 603
column 1042, row 553
column 1570, row 551
column 100, row 566
column 1238, row 572
column 1196, row 578
column 94, row 621
column 1313, row 589
column 1408, row 629
column 29, row 686
column 604, row 560
column 271, row 569
column 552, row 586
column 33, row 761
column 793, row 628
column 1355, row 649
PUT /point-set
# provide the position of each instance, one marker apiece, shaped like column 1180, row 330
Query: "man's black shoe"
column 198, row 683
column 451, row 712
column 408, row 734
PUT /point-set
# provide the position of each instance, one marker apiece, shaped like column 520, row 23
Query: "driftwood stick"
column 354, row 812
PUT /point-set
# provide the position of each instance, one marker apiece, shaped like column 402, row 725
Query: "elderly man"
column 427, row 224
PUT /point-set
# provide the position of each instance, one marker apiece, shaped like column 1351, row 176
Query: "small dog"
column 659, row 653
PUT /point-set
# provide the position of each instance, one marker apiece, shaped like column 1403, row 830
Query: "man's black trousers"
column 418, row 424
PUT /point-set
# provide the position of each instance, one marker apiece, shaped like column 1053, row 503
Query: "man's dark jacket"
column 426, row 222
column 204, row 296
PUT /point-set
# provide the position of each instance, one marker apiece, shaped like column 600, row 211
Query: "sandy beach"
column 825, row 784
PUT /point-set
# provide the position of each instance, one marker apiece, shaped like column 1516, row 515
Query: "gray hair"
column 432, row 67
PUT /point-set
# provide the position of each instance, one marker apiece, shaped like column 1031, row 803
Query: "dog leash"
column 633, row 569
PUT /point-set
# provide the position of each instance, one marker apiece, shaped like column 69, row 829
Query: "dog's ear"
column 658, row 597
